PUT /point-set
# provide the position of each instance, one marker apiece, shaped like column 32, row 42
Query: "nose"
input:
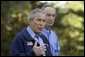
column 41, row 23
column 51, row 17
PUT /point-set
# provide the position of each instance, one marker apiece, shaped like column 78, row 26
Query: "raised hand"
column 39, row 50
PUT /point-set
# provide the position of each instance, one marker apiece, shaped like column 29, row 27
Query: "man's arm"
column 18, row 47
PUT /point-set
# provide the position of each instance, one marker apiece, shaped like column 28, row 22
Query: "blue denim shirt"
column 53, row 40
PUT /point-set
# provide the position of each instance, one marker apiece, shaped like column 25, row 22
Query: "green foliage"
column 69, row 24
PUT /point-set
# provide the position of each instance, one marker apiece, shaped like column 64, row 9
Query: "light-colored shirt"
column 53, row 40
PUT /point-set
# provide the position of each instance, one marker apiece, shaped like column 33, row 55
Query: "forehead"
column 40, row 15
column 49, row 10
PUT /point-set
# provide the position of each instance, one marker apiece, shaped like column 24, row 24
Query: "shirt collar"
column 46, row 30
column 30, row 31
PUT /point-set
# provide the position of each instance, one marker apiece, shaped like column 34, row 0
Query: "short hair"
column 33, row 12
column 47, row 5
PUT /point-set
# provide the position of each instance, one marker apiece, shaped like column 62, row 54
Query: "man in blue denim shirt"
column 51, row 36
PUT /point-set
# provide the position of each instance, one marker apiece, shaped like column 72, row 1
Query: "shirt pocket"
column 29, row 45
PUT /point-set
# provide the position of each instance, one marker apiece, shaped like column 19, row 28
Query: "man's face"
column 50, row 15
column 38, row 22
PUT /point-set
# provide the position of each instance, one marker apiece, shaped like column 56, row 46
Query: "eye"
column 38, row 19
column 53, row 15
column 48, row 15
column 44, row 20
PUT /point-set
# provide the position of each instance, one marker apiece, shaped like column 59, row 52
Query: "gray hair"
column 33, row 12
column 47, row 5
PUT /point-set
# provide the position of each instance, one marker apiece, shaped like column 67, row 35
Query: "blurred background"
column 69, row 24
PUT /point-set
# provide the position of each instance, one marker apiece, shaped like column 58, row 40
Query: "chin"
column 38, row 31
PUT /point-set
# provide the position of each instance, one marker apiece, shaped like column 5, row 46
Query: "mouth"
column 50, row 21
column 40, row 28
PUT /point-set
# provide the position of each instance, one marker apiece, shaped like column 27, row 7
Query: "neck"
column 34, row 31
column 47, row 27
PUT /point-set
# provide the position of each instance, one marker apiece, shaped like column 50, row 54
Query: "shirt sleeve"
column 57, row 52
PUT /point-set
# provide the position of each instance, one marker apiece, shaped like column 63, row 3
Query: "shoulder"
column 20, row 35
column 53, row 32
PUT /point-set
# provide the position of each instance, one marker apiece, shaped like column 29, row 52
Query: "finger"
column 44, row 50
column 43, row 46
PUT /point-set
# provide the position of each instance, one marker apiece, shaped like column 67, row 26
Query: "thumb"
column 35, row 43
